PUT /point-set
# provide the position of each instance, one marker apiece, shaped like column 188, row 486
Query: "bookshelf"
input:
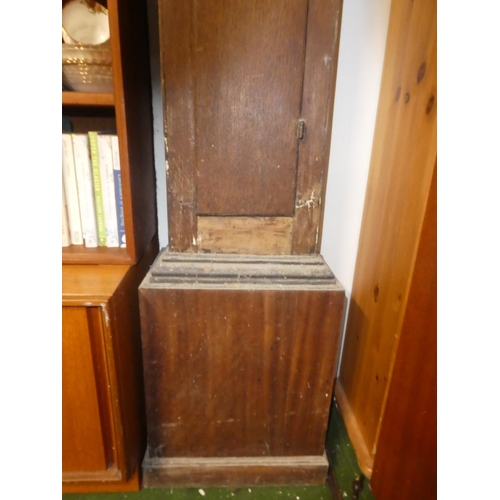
column 128, row 111
column 103, row 408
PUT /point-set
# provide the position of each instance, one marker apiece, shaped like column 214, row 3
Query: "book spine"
column 118, row 191
column 71, row 190
column 65, row 226
column 85, row 189
column 96, row 177
column 108, row 188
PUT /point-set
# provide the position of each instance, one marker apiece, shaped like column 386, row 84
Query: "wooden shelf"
column 79, row 254
column 87, row 99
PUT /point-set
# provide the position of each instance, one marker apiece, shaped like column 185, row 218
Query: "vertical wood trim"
column 403, row 157
column 405, row 466
column 106, row 312
column 134, row 122
column 178, row 82
column 323, row 35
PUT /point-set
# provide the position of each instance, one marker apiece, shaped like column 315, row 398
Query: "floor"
column 340, row 453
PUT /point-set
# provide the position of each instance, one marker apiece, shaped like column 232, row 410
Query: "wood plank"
column 234, row 471
column 406, row 461
column 249, row 64
column 402, row 164
column 246, row 235
column 323, row 37
column 84, row 444
column 87, row 99
column 79, row 254
column 176, row 36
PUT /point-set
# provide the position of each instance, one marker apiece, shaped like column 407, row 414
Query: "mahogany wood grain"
column 248, row 62
column 245, row 235
column 403, row 157
column 239, row 354
column 320, row 74
column 406, row 461
column 87, row 99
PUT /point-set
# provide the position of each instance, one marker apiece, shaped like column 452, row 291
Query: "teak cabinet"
column 103, row 394
column 240, row 315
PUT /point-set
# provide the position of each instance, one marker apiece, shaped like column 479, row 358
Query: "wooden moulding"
column 234, row 471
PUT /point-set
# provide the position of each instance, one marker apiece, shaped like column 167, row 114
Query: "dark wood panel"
column 249, row 64
column 85, row 445
column 406, row 461
column 238, row 372
column 176, row 35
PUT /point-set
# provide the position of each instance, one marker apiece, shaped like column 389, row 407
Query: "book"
column 118, row 191
column 85, row 184
column 71, row 190
column 108, row 187
column 96, row 178
column 65, row 226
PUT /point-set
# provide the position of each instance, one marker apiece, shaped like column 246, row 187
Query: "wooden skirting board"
column 234, row 471
column 365, row 459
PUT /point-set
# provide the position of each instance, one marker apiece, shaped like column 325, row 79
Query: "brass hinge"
column 301, row 130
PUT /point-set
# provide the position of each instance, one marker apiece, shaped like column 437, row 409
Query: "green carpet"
column 343, row 461
column 260, row 493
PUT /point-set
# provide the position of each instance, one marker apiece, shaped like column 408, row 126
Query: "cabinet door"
column 86, row 419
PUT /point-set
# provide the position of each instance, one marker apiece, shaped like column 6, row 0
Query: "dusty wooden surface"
column 234, row 471
column 402, row 164
column 239, row 355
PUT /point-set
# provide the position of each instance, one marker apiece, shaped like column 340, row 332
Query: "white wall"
column 361, row 56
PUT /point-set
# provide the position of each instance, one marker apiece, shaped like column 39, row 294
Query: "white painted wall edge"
column 158, row 135
column 361, row 57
